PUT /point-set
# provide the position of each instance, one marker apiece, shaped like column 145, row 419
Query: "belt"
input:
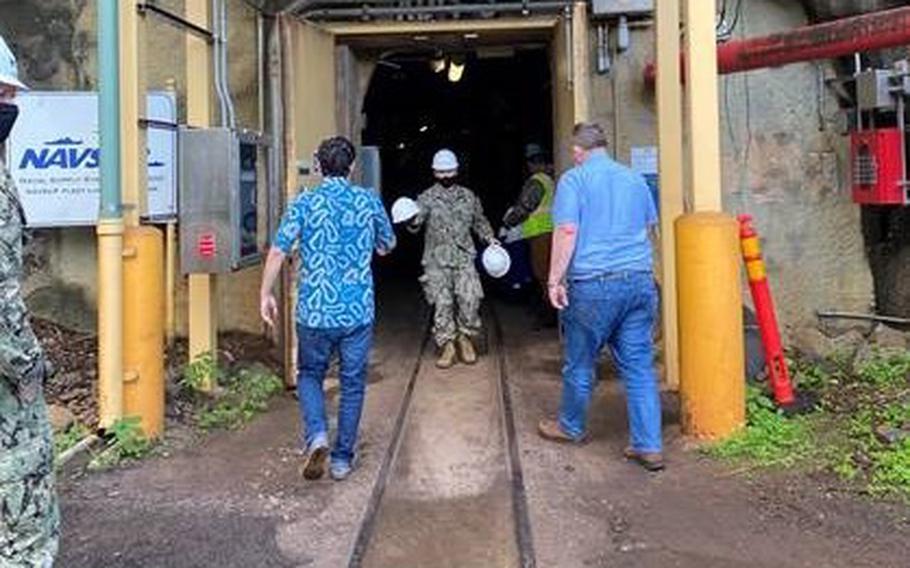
column 618, row 275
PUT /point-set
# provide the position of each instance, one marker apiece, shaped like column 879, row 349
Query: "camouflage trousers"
column 455, row 294
column 29, row 515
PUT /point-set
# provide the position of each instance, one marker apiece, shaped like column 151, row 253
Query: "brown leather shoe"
column 314, row 463
column 550, row 429
column 466, row 351
column 650, row 461
column 447, row 357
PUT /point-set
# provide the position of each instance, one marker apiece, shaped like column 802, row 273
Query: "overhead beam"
column 440, row 27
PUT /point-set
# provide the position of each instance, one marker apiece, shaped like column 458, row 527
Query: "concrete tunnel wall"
column 783, row 160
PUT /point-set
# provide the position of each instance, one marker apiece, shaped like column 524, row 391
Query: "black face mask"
column 447, row 181
column 8, row 115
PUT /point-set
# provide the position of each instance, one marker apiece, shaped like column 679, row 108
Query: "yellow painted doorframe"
column 307, row 120
column 670, row 137
column 203, row 316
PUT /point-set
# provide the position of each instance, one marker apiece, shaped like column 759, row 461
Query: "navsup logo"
column 64, row 154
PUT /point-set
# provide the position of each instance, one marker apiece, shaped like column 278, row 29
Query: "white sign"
column 53, row 155
column 162, row 156
column 644, row 159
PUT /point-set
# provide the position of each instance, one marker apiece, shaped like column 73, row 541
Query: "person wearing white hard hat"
column 450, row 212
column 30, row 521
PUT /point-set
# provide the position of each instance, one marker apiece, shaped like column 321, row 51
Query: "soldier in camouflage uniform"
column 450, row 281
column 29, row 519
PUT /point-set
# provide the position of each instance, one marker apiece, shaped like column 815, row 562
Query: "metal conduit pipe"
column 225, row 69
column 110, row 223
column 217, row 61
column 839, row 38
column 368, row 12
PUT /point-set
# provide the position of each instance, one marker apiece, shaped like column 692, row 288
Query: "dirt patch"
column 74, row 355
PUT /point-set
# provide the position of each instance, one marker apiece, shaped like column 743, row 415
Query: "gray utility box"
column 221, row 176
column 873, row 89
column 615, row 8
column 368, row 168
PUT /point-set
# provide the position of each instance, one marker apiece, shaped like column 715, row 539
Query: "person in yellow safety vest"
column 531, row 215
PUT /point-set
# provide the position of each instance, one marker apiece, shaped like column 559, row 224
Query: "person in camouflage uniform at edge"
column 29, row 517
column 450, row 281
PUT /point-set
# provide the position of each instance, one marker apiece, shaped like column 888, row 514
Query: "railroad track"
column 511, row 460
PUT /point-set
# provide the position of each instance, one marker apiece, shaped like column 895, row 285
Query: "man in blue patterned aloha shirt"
column 335, row 227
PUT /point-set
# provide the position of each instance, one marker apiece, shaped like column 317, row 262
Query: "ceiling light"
column 424, row 128
column 421, row 38
column 471, row 35
column 438, row 65
column 456, row 70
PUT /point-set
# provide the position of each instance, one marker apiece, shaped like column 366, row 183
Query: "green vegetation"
column 245, row 395
column 769, row 439
column 127, row 443
column 199, row 374
column 859, row 429
column 65, row 440
column 238, row 396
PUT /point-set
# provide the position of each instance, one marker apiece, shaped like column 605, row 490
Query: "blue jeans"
column 616, row 311
column 315, row 349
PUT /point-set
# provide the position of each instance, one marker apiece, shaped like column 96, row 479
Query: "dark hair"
column 589, row 135
column 335, row 156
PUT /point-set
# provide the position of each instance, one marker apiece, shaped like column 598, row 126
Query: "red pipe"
column 839, row 38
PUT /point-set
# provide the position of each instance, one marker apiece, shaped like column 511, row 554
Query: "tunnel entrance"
column 485, row 104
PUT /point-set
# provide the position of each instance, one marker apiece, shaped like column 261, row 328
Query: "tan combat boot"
column 447, row 357
column 466, row 350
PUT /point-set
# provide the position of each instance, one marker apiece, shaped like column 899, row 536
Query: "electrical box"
column 873, row 90
column 877, row 167
column 615, row 8
column 221, row 173
column 368, row 169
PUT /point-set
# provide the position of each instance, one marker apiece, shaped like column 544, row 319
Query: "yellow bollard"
column 143, row 328
column 712, row 374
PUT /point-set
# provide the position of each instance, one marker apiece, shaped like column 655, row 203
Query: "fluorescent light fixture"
column 471, row 35
column 424, row 128
column 438, row 65
column 456, row 70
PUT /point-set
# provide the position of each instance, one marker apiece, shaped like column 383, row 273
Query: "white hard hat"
column 403, row 209
column 9, row 70
column 445, row 161
column 496, row 261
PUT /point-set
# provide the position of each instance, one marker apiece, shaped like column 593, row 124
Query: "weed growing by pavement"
column 127, row 443
column 65, row 440
column 227, row 400
column 769, row 438
column 859, row 430
column 201, row 373
column 242, row 395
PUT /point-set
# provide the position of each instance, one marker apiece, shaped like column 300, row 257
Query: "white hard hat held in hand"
column 404, row 209
column 9, row 70
column 496, row 261
column 445, row 161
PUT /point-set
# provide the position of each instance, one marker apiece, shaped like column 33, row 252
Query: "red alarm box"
column 877, row 167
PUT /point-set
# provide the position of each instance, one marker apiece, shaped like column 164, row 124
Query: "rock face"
column 60, row 417
column 823, row 10
column 889, row 338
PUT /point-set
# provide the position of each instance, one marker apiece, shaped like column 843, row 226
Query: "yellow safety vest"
column 540, row 222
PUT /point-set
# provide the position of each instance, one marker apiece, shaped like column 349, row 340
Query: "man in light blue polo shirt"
column 601, row 281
